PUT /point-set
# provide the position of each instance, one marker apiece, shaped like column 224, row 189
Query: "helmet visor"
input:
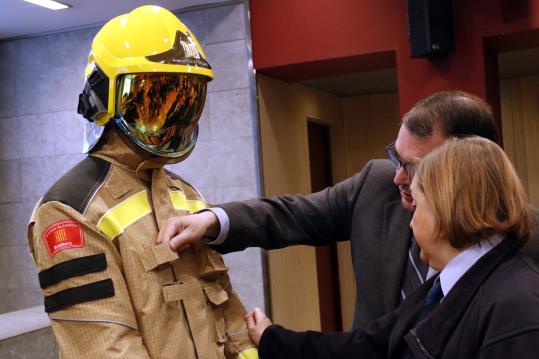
column 160, row 111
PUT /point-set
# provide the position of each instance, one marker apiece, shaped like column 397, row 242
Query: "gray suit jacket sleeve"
column 315, row 219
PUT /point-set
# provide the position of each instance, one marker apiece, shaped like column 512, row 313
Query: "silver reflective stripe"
column 97, row 321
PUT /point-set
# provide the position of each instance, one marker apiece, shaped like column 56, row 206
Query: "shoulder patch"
column 62, row 235
column 77, row 186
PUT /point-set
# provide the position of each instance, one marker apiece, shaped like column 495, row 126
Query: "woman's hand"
column 257, row 322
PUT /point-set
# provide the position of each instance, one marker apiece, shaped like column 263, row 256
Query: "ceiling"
column 519, row 63
column 357, row 84
column 510, row 65
column 20, row 18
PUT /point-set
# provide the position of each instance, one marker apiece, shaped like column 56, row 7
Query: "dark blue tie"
column 433, row 298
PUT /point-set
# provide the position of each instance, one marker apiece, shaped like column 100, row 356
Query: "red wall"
column 301, row 39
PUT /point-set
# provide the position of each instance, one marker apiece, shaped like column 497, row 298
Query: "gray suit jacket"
column 365, row 209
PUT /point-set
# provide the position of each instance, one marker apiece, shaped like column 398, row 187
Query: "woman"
column 471, row 219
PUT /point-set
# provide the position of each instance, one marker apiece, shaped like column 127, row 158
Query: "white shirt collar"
column 464, row 260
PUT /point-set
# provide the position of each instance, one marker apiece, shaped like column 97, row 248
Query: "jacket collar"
column 113, row 148
column 397, row 241
column 448, row 314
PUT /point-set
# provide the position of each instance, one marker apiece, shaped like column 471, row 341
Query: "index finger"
column 249, row 320
column 259, row 315
column 168, row 231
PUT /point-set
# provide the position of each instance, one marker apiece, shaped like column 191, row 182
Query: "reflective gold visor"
column 160, row 111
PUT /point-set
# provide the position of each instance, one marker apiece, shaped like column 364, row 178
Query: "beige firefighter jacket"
column 110, row 291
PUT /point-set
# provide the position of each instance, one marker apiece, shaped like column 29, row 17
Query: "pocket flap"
column 211, row 264
column 181, row 291
column 153, row 256
column 215, row 293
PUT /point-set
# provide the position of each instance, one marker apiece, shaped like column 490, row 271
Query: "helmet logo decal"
column 184, row 52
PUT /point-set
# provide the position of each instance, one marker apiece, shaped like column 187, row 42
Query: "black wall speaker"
column 430, row 27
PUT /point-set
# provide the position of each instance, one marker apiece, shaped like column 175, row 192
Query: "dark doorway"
column 326, row 256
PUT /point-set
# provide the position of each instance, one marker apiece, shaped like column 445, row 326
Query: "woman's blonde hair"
column 474, row 192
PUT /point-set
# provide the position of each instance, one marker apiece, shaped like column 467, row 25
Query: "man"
column 372, row 209
column 485, row 302
column 109, row 288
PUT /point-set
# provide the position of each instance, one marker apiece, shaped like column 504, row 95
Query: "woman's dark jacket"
column 491, row 312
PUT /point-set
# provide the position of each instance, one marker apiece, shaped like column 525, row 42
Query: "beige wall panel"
column 519, row 98
column 321, row 106
column 370, row 123
column 338, row 152
column 513, row 126
column 530, row 108
column 294, row 288
column 284, row 146
column 347, row 284
column 284, row 110
column 360, row 127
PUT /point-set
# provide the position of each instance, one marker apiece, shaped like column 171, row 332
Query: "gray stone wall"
column 41, row 137
column 39, row 344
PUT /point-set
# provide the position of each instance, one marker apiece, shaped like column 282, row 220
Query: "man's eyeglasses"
column 396, row 160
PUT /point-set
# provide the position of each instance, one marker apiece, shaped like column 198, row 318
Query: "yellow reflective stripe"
column 119, row 217
column 180, row 202
column 249, row 354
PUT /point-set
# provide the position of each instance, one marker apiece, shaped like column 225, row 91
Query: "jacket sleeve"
column 85, row 293
column 238, row 342
column 369, row 342
column 315, row 219
column 522, row 345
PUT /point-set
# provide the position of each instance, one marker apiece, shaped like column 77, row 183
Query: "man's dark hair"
column 455, row 113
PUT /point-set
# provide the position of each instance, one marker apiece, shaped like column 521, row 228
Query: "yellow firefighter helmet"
column 147, row 74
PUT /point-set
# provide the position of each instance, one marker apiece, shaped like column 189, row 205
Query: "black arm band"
column 72, row 268
column 77, row 295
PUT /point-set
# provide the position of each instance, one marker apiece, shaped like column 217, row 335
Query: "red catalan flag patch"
column 62, row 235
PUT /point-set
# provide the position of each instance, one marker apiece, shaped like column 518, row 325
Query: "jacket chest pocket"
column 204, row 305
column 210, row 264
column 217, row 298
